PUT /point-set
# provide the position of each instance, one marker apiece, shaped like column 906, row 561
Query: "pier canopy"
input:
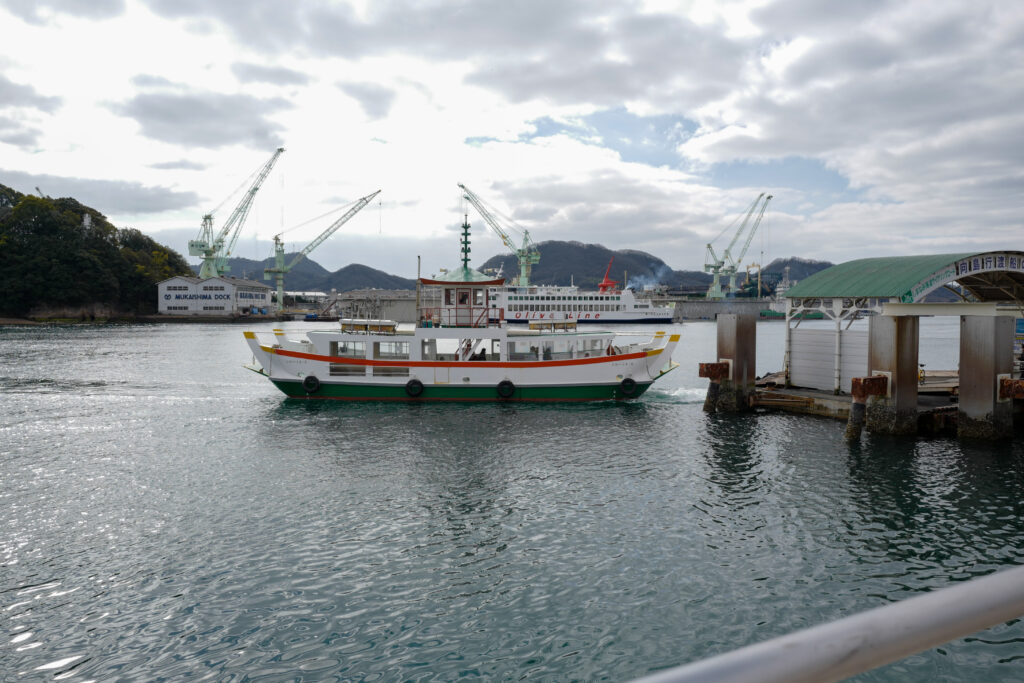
column 876, row 288
column 986, row 276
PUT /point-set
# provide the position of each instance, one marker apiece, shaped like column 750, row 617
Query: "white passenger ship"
column 608, row 304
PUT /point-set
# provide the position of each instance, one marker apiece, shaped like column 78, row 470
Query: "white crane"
column 728, row 265
column 212, row 248
column 527, row 253
column 279, row 269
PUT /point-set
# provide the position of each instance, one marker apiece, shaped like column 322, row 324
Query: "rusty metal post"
column 737, row 344
column 861, row 388
column 986, row 357
column 892, row 351
column 715, row 372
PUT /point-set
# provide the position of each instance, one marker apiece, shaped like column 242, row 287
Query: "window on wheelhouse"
column 351, row 349
column 391, row 350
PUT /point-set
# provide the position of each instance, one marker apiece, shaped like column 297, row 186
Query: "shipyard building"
column 215, row 296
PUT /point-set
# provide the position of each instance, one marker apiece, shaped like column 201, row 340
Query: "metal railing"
column 843, row 648
column 457, row 316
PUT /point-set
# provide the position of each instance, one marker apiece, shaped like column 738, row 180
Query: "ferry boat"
column 608, row 304
column 456, row 352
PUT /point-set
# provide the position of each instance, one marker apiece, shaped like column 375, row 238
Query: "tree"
column 59, row 252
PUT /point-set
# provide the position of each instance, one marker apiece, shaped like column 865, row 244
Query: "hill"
column 799, row 268
column 356, row 276
column 564, row 263
column 310, row 276
column 305, row 277
column 60, row 258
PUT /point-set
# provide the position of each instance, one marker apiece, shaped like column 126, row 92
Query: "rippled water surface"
column 165, row 515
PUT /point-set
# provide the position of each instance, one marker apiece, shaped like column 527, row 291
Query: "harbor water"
column 166, row 514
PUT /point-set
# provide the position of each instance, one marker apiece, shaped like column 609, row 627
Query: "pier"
column 872, row 378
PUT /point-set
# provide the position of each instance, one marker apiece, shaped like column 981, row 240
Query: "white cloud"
column 914, row 104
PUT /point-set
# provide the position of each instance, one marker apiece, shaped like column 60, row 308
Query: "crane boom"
column 727, row 255
column 527, row 253
column 728, row 264
column 212, row 248
column 279, row 269
column 734, row 268
column 753, row 229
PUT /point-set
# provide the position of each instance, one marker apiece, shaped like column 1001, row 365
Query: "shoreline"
column 134, row 319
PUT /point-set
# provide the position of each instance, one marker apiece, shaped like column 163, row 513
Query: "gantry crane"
column 728, row 265
column 527, row 254
column 280, row 269
column 212, row 248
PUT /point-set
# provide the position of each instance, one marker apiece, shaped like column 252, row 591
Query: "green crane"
column 727, row 265
column 216, row 249
column 280, row 269
column 527, row 253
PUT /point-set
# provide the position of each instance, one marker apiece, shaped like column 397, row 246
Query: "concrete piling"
column 732, row 377
column 715, row 373
column 862, row 387
column 892, row 351
column 986, row 357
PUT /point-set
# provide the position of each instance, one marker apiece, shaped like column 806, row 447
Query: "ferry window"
column 447, row 297
column 348, row 348
column 337, row 369
column 391, row 350
column 389, row 371
column 479, row 297
column 463, row 298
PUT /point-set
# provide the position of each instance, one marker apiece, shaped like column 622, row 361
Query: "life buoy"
column 414, row 387
column 506, row 388
column 627, row 386
column 311, row 384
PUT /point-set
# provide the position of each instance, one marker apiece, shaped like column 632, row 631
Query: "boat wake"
column 683, row 395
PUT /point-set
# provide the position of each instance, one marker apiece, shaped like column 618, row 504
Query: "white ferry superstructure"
column 609, row 304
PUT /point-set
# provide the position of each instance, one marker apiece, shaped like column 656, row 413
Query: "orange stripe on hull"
column 462, row 364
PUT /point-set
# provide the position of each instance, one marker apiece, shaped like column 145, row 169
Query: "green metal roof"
column 890, row 276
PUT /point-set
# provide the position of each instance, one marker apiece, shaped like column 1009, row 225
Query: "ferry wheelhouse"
column 456, row 352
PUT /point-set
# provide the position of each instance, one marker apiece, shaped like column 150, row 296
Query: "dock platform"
column 936, row 401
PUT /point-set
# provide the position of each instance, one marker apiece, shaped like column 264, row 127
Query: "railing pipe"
column 843, row 648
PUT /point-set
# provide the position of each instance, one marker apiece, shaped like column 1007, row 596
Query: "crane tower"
column 215, row 249
column 279, row 269
column 727, row 265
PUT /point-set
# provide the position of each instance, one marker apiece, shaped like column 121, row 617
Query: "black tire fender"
column 414, row 388
column 506, row 388
column 627, row 387
column 311, row 384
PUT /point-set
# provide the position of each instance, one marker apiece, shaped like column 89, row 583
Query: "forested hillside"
column 585, row 264
column 58, row 253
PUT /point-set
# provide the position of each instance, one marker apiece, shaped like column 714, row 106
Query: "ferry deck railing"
column 843, row 648
column 457, row 316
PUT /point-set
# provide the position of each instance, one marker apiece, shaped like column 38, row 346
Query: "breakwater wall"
column 691, row 309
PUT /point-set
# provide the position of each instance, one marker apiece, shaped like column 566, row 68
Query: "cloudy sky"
column 881, row 128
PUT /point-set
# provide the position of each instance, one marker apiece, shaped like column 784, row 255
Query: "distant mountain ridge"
column 584, row 265
column 562, row 263
column 799, row 268
column 310, row 276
